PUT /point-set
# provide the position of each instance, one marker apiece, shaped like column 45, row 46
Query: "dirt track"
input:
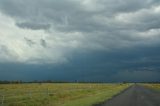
column 135, row 96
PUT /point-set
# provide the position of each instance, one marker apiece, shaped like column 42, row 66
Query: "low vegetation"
column 153, row 86
column 57, row 94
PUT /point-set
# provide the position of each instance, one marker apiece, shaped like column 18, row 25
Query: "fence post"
column 47, row 91
column 2, row 99
column 30, row 94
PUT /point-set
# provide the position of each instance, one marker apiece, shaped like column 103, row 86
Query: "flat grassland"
column 153, row 86
column 57, row 94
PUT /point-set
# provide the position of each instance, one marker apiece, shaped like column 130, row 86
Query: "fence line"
column 5, row 97
column 26, row 93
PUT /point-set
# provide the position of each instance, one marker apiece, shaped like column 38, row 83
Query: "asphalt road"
column 135, row 96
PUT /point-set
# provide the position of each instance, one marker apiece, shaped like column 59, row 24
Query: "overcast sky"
column 87, row 40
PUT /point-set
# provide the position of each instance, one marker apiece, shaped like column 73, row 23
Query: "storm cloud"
column 104, row 40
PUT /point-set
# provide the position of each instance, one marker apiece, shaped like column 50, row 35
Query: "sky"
column 84, row 40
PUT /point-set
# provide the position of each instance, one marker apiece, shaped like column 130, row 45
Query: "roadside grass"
column 98, row 97
column 58, row 94
column 153, row 86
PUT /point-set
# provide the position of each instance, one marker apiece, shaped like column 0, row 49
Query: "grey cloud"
column 78, row 18
column 4, row 49
column 33, row 26
column 74, row 16
column 29, row 41
column 43, row 43
column 7, row 55
column 38, row 11
column 97, row 26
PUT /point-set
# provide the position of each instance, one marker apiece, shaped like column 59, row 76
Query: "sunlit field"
column 57, row 94
column 153, row 86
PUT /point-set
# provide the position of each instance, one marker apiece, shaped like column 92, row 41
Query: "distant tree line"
column 11, row 82
column 35, row 81
column 46, row 81
column 56, row 81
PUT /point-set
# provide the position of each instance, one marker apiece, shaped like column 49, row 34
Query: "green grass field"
column 62, row 94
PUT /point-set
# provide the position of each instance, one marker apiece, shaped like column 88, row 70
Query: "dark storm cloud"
column 117, row 66
column 143, row 76
column 119, row 42
column 103, row 22
column 69, row 15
